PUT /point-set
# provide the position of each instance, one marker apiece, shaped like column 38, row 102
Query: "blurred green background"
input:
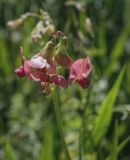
column 28, row 130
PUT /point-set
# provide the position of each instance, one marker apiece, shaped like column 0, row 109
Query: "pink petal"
column 58, row 80
column 63, row 82
column 51, row 68
column 26, row 66
column 84, row 82
column 80, row 68
column 63, row 60
column 53, row 78
column 20, row 72
column 37, row 62
column 38, row 75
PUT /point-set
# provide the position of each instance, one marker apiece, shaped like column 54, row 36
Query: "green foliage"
column 5, row 63
column 122, row 145
column 9, row 155
column 102, row 121
column 59, row 122
column 118, row 48
column 28, row 128
column 114, row 147
column 46, row 151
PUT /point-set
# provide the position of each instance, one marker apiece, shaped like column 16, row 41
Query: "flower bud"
column 48, row 50
column 63, row 60
column 20, row 72
column 46, row 88
column 61, row 55
column 15, row 24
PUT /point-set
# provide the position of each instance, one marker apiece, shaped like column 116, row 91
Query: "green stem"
column 59, row 121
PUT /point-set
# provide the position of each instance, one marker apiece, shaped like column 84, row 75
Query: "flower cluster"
column 43, row 66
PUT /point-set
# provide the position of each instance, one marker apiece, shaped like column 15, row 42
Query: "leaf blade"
column 9, row 155
column 102, row 120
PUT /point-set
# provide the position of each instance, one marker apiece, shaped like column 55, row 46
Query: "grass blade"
column 8, row 152
column 119, row 45
column 114, row 147
column 4, row 58
column 103, row 119
column 47, row 146
column 123, row 144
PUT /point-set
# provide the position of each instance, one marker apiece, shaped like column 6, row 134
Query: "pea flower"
column 43, row 66
column 35, row 68
column 79, row 72
column 58, row 80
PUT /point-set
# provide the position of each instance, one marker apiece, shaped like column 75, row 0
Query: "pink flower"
column 63, row 60
column 43, row 67
column 37, row 62
column 58, row 80
column 23, row 70
column 53, row 79
column 79, row 72
column 32, row 69
column 35, row 68
column 43, row 70
column 20, row 72
column 51, row 67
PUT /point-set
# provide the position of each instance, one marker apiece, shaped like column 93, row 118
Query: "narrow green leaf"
column 103, row 118
column 9, row 155
column 126, row 12
column 102, row 40
column 118, row 50
column 46, row 152
column 119, row 45
column 114, row 153
column 4, row 57
column 123, row 144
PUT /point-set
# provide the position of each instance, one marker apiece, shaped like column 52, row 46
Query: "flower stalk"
column 59, row 122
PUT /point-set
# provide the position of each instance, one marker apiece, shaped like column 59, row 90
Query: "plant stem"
column 59, row 121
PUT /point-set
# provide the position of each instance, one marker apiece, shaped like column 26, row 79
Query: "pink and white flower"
column 79, row 72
